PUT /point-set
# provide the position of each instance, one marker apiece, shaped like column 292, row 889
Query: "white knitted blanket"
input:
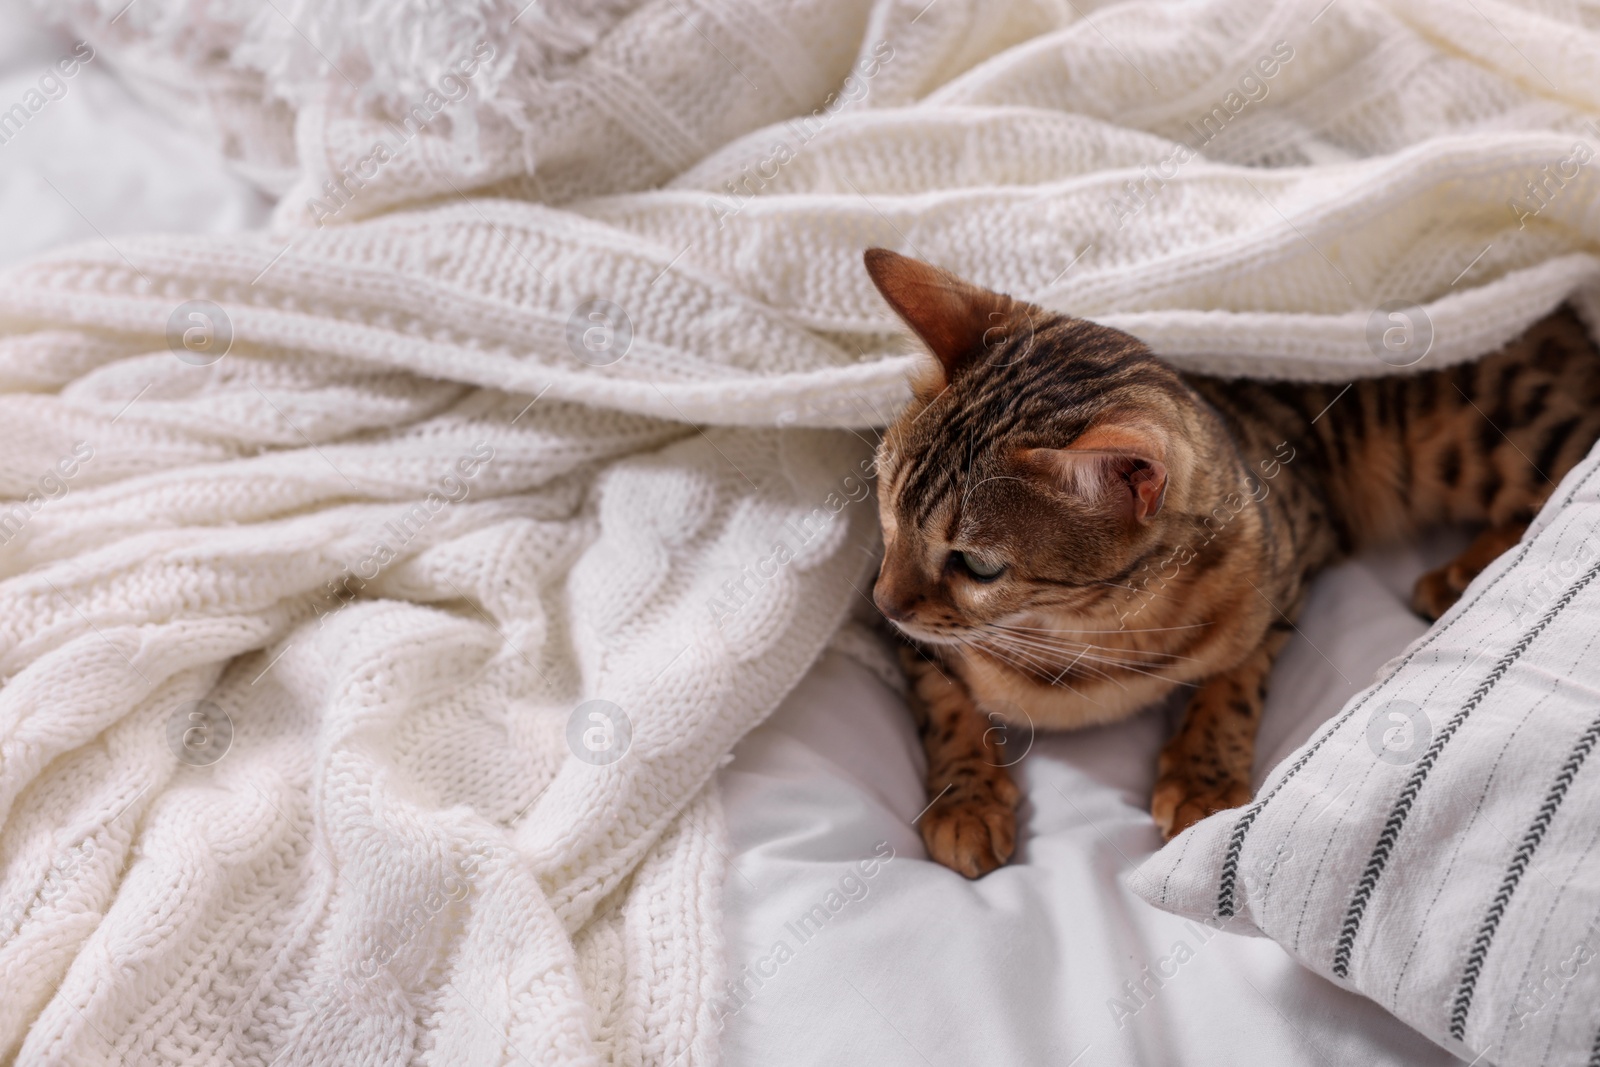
column 363, row 684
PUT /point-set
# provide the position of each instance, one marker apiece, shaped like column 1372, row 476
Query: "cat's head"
column 1036, row 468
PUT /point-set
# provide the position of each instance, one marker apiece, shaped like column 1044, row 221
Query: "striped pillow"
column 1436, row 845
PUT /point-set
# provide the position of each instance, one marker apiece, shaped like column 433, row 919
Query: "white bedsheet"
column 924, row 967
column 1019, row 967
column 96, row 163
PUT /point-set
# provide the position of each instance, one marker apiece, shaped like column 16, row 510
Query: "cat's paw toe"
column 1437, row 591
column 971, row 834
column 1178, row 802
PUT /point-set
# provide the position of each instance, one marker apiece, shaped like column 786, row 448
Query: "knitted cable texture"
column 379, row 593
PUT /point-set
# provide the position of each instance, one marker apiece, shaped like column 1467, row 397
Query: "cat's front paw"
column 972, row 829
column 1180, row 800
column 1438, row 590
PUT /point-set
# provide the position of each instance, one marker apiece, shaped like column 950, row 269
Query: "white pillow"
column 1436, row 845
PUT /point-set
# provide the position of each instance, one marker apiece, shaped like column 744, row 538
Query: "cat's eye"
column 982, row 569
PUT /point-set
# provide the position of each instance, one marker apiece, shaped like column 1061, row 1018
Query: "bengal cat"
column 1072, row 528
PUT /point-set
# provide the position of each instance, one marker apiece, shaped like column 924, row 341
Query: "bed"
column 924, row 967
column 886, row 958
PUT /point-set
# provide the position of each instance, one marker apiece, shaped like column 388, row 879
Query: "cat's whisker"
column 1109, row 661
column 1102, row 656
column 1129, row 630
column 1058, row 678
column 1035, row 641
column 1133, row 589
column 1044, row 666
column 1088, row 654
column 1067, row 645
column 863, row 440
column 1035, row 656
column 1034, row 666
column 1008, row 658
column 1095, row 664
column 1057, row 636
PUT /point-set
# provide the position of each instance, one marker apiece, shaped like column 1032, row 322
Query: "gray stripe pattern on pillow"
column 1408, row 796
column 1519, row 866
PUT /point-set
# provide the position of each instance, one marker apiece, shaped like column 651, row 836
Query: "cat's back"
column 1480, row 442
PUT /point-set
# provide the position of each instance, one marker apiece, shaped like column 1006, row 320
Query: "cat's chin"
column 928, row 637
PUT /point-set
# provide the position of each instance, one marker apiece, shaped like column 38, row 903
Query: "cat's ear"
column 1122, row 464
column 954, row 318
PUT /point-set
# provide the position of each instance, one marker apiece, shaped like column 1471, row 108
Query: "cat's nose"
column 896, row 606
